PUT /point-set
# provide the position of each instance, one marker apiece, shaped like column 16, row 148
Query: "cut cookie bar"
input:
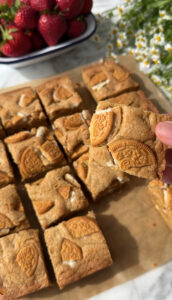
column 6, row 173
column 129, row 133
column 97, row 171
column 59, row 97
column 22, row 265
column 161, row 196
column 34, row 151
column 73, row 133
column 135, row 99
column 12, row 216
column 20, row 109
column 56, row 196
column 77, row 248
column 108, row 79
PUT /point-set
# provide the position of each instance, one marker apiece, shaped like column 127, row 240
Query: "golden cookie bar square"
column 6, row 172
column 12, row 215
column 59, row 97
column 56, row 196
column 73, row 133
column 77, row 248
column 129, row 134
column 161, row 196
column 135, row 99
column 96, row 169
column 108, row 79
column 22, row 265
column 35, row 151
column 20, row 109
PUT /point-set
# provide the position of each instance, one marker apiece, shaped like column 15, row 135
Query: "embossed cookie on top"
column 59, row 97
column 108, row 79
column 129, row 133
column 20, row 109
column 135, row 99
column 34, row 151
column 96, row 169
column 12, row 215
column 73, row 133
column 56, row 196
column 22, row 265
column 6, row 172
column 161, row 196
column 77, row 248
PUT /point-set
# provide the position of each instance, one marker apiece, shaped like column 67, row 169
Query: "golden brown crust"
column 59, row 97
column 83, row 253
column 108, row 79
column 35, row 151
column 73, row 133
column 54, row 198
column 20, row 109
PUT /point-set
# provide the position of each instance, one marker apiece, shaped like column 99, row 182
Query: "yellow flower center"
column 158, row 38
column 154, row 52
column 122, row 25
column 118, row 43
column 139, row 45
column 162, row 15
column 114, row 31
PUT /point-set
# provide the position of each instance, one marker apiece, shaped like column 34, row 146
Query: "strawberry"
column 41, row 5
column 70, row 8
column 26, row 18
column 8, row 2
column 52, row 28
column 15, row 42
column 87, row 7
column 36, row 40
column 26, row 2
column 76, row 28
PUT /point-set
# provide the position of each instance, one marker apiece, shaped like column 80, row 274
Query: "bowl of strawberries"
column 32, row 31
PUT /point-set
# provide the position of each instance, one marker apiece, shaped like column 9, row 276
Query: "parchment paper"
column 138, row 238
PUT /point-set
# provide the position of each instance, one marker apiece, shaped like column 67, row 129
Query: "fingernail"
column 164, row 129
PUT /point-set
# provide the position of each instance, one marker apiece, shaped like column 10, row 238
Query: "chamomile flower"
column 156, row 59
column 119, row 43
column 140, row 58
column 96, row 38
column 122, row 36
column 140, row 44
column 114, row 30
column 168, row 47
column 113, row 56
column 109, row 46
column 159, row 38
column 160, row 28
column 164, row 15
column 154, row 51
column 130, row 51
column 156, row 79
column 120, row 10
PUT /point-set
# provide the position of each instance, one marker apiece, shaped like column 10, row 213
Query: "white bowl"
column 50, row 52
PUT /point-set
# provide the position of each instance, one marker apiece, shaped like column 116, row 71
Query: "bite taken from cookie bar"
column 77, row 248
column 56, row 196
column 108, row 79
column 59, row 97
column 35, row 151
column 73, row 133
column 96, row 169
column 6, row 172
column 129, row 134
column 161, row 196
column 22, row 265
column 20, row 109
column 12, row 215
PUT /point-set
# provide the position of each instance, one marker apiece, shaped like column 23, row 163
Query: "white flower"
column 113, row 56
column 156, row 59
column 119, row 44
column 120, row 10
column 168, row 47
column 96, row 38
column 140, row 32
column 160, row 28
column 159, row 38
column 130, row 51
column 164, row 15
column 156, row 79
column 145, row 65
column 140, row 58
column 109, row 46
column 152, row 30
column 154, row 51
column 114, row 30
column 140, row 44
column 122, row 36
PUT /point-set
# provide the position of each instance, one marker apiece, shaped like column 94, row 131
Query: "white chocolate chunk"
column 72, row 197
column 40, row 132
column 100, row 85
column 70, row 263
column 71, row 179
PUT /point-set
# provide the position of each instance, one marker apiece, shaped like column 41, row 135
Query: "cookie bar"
column 6, row 173
column 12, row 215
column 135, row 99
column 22, row 265
column 59, row 97
column 96, row 169
column 20, row 109
column 73, row 133
column 161, row 196
column 77, row 248
column 56, row 196
column 129, row 134
column 108, row 79
column 34, row 151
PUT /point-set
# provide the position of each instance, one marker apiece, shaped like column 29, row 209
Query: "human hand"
column 164, row 133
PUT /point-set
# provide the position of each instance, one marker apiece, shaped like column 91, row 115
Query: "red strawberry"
column 87, row 7
column 76, row 28
column 16, row 43
column 70, row 8
column 9, row 2
column 41, row 5
column 36, row 40
column 26, row 18
column 26, row 2
column 52, row 28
